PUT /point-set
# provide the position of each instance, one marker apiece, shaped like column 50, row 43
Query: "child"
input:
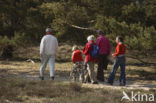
column 119, row 56
column 78, row 63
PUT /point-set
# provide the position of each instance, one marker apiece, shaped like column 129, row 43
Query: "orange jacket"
column 77, row 56
column 120, row 49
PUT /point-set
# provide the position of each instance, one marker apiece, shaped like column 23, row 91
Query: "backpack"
column 95, row 51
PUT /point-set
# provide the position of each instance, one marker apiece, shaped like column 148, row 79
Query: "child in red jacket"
column 78, row 64
column 119, row 56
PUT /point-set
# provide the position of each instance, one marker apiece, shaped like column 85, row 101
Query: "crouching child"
column 78, row 64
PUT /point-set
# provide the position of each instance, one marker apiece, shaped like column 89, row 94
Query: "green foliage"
column 7, row 45
column 24, row 21
column 140, row 12
column 143, row 39
column 136, row 37
column 4, row 41
column 61, row 20
column 19, row 40
column 149, row 38
column 134, row 13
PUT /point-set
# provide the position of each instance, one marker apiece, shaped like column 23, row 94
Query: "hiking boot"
column 42, row 78
column 95, row 82
column 88, row 80
column 101, row 80
column 52, row 78
column 121, row 84
column 110, row 83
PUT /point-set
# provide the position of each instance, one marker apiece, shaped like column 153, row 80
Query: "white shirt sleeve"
column 42, row 44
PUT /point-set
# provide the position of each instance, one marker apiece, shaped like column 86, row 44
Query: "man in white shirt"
column 48, row 50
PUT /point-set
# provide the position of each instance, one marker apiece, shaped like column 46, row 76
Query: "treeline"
column 23, row 22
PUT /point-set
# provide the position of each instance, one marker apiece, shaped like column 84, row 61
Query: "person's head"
column 90, row 38
column 119, row 39
column 99, row 32
column 75, row 47
column 48, row 30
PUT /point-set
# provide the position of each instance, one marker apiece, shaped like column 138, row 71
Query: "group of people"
column 48, row 50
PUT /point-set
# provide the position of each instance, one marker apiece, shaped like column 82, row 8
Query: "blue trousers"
column 119, row 61
column 45, row 59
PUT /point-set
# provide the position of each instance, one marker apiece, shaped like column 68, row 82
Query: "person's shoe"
column 121, row 84
column 95, row 82
column 110, row 83
column 42, row 78
column 52, row 78
column 101, row 80
column 88, row 80
column 81, row 81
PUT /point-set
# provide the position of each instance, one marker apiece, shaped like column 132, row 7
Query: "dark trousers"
column 102, row 65
column 119, row 61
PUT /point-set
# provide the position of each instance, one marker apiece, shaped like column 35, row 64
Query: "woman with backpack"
column 90, row 60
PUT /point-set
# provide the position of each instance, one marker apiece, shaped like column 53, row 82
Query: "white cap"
column 90, row 38
column 48, row 30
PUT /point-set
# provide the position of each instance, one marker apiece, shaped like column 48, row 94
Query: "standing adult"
column 104, row 51
column 48, row 50
column 119, row 57
column 90, row 61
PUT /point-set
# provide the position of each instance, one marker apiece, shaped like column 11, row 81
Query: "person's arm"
column 109, row 48
column 82, row 55
column 86, row 49
column 56, row 44
column 42, row 47
column 125, row 49
column 117, row 51
column 73, row 57
column 97, row 42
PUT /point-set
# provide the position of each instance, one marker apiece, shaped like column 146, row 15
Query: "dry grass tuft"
column 35, row 91
column 19, row 90
column 75, row 87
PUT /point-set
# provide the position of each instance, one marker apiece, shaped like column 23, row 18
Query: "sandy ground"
column 30, row 71
column 130, row 84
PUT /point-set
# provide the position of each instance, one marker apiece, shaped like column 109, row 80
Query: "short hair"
column 48, row 30
column 75, row 47
column 120, row 38
column 99, row 32
column 90, row 38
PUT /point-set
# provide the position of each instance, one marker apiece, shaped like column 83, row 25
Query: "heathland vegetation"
column 23, row 23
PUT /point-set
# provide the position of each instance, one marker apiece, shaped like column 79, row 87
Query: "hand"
column 41, row 55
column 113, row 55
column 108, row 58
